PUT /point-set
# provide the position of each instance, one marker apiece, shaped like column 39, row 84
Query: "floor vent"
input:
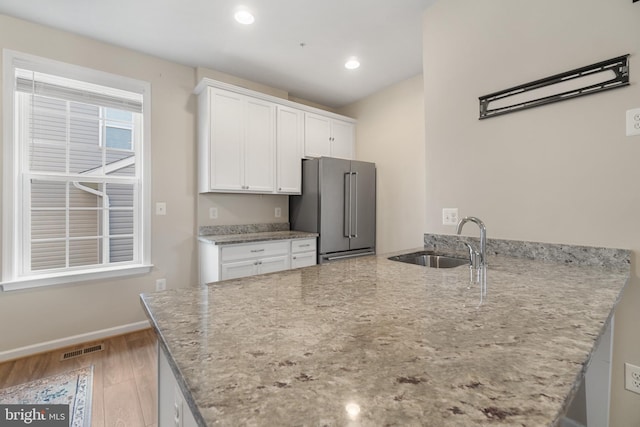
column 82, row 351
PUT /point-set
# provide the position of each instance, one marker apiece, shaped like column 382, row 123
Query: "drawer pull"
column 305, row 246
column 257, row 250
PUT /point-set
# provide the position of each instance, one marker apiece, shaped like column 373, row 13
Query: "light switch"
column 633, row 122
column 161, row 208
column 213, row 213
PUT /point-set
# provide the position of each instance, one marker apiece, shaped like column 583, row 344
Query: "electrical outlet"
column 632, row 378
column 633, row 122
column 449, row 216
column 278, row 212
column 213, row 213
column 161, row 284
column 161, row 208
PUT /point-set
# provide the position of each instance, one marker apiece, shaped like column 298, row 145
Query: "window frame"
column 13, row 154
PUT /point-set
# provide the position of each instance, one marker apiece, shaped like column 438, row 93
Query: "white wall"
column 46, row 314
column 390, row 132
column 564, row 172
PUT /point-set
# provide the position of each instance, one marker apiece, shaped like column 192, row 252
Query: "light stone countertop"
column 229, row 239
column 407, row 344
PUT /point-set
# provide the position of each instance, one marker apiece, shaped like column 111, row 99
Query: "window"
column 76, row 187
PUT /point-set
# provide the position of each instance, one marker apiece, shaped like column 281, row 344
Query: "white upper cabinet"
column 226, row 141
column 317, row 136
column 329, row 137
column 343, row 139
column 259, row 146
column 289, row 145
column 237, row 150
column 250, row 142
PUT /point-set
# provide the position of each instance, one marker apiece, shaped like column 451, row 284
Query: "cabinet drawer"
column 304, row 259
column 303, row 245
column 254, row 250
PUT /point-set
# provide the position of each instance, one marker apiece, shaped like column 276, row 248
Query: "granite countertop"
column 369, row 341
column 228, row 239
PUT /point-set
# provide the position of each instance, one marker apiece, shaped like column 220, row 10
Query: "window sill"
column 73, row 277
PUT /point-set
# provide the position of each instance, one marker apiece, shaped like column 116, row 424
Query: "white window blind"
column 78, row 151
column 52, row 86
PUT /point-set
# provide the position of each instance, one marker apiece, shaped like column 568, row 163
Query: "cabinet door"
column 271, row 265
column 303, row 259
column 317, row 134
column 167, row 411
column 173, row 409
column 234, row 270
column 227, row 140
column 186, row 418
column 342, row 139
column 259, row 146
column 289, row 142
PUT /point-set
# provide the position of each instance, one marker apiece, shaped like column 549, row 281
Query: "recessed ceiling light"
column 352, row 63
column 244, row 17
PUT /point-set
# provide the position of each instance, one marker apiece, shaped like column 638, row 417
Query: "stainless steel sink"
column 430, row 259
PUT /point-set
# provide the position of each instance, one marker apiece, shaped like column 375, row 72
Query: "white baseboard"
column 29, row 350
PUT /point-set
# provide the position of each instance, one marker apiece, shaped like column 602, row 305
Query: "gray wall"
column 565, row 172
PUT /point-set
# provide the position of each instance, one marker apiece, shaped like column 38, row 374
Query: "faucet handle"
column 472, row 254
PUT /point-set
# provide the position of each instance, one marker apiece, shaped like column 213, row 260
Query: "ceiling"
column 299, row 46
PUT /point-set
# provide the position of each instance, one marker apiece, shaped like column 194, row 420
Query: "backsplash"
column 216, row 230
column 568, row 254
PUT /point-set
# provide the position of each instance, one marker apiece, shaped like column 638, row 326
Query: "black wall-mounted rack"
column 619, row 66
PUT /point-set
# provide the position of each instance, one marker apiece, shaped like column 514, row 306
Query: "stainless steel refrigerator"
column 338, row 201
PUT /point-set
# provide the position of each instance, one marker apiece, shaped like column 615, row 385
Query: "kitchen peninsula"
column 370, row 341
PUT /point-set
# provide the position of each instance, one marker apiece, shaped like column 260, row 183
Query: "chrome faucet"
column 477, row 258
column 483, row 236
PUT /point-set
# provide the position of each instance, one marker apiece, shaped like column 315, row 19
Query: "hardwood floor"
column 124, row 378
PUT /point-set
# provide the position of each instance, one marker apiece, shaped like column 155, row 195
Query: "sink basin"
column 430, row 259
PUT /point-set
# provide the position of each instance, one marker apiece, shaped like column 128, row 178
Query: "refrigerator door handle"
column 347, row 205
column 355, row 234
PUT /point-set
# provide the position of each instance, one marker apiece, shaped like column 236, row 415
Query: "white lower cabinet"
column 303, row 253
column 303, row 260
column 234, row 270
column 173, row 410
column 222, row 262
column 254, row 258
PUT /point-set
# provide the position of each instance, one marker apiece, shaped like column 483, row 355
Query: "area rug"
column 71, row 388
